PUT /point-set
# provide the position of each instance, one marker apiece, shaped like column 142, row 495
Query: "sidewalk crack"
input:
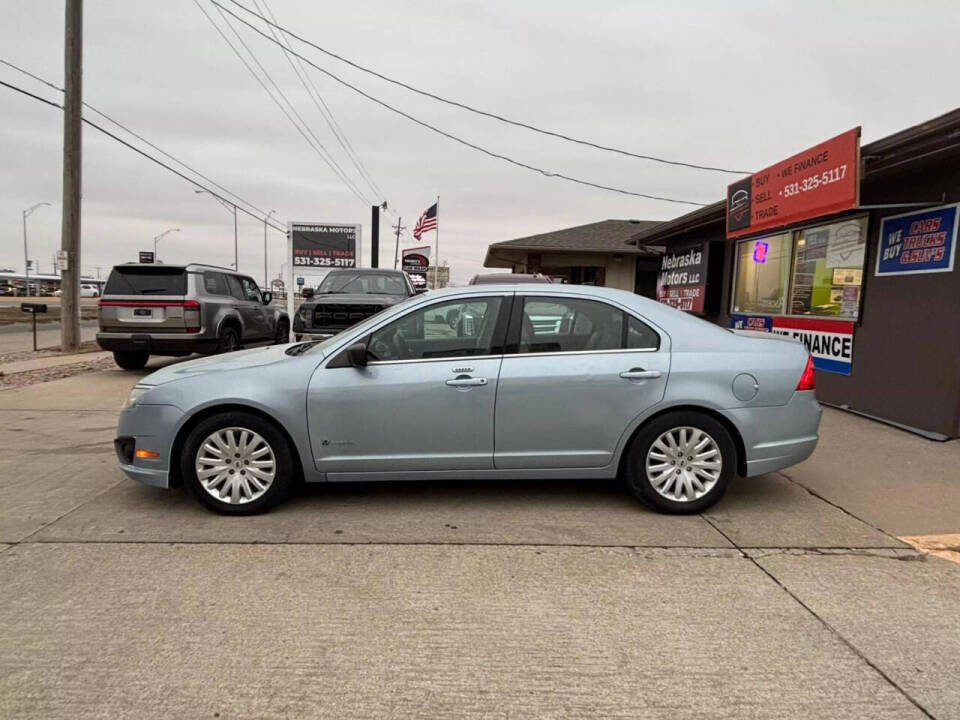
column 853, row 648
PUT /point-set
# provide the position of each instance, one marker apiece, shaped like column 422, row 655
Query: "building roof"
column 606, row 236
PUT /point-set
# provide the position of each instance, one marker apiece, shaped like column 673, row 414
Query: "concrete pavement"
column 793, row 597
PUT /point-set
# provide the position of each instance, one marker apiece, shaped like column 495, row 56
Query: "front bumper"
column 778, row 437
column 148, row 427
column 158, row 344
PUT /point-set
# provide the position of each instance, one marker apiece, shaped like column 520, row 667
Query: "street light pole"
column 233, row 208
column 158, row 238
column 265, row 221
column 26, row 261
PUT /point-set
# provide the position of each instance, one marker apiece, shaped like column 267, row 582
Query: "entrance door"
column 582, row 372
column 425, row 400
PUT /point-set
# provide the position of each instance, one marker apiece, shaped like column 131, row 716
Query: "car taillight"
column 191, row 304
column 807, row 380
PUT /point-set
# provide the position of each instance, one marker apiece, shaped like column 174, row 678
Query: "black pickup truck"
column 345, row 297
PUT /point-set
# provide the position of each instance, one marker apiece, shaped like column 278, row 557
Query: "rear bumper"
column 778, row 437
column 165, row 344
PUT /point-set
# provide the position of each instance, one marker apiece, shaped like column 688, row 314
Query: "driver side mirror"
column 357, row 354
column 267, row 297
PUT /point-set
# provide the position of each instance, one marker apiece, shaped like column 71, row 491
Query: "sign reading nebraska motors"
column 822, row 180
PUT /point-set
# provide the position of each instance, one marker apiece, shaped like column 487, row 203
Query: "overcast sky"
column 732, row 84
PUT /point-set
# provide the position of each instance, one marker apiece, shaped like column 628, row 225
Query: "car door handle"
column 466, row 382
column 639, row 374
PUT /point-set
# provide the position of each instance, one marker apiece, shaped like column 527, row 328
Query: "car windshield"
column 364, row 283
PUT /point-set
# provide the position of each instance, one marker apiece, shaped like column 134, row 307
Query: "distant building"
column 598, row 253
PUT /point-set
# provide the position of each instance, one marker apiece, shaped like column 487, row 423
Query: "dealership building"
column 849, row 249
column 856, row 261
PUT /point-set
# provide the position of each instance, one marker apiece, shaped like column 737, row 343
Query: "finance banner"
column 830, row 342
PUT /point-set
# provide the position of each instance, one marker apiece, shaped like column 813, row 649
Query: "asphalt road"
column 794, row 598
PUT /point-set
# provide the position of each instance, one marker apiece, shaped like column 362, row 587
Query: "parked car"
column 495, row 278
column 183, row 309
column 629, row 387
column 345, row 297
column 86, row 291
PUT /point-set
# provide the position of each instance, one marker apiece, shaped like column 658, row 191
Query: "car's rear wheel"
column 237, row 463
column 681, row 462
column 131, row 359
column 282, row 336
column 229, row 340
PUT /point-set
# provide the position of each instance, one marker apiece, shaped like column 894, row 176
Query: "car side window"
column 215, row 283
column 450, row 329
column 641, row 336
column 236, row 289
column 555, row 324
column 251, row 293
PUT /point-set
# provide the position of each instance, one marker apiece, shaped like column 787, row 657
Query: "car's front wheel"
column 681, row 462
column 237, row 463
column 131, row 359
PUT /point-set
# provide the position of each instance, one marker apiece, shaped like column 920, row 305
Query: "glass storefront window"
column 763, row 270
column 828, row 270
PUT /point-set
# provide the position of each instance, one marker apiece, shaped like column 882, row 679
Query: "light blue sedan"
column 614, row 385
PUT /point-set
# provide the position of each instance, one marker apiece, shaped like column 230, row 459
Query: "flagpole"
column 436, row 242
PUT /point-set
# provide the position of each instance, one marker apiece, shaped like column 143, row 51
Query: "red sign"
column 820, row 181
column 682, row 282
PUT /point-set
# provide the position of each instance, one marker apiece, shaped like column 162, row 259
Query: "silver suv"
column 183, row 309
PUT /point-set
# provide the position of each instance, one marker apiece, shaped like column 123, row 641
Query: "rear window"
column 146, row 281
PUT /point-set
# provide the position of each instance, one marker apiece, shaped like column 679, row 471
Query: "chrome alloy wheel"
column 235, row 465
column 684, row 464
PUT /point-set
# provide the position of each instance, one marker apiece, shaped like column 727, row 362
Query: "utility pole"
column 266, row 285
column 72, row 142
column 375, row 236
column 396, row 248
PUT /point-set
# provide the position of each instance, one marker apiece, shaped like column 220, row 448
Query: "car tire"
column 229, row 340
column 282, row 336
column 236, row 489
column 131, row 359
column 675, row 482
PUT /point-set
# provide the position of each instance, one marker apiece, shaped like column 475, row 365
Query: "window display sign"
column 830, row 342
column 918, row 242
column 822, row 180
column 827, row 258
column 682, row 282
column 324, row 245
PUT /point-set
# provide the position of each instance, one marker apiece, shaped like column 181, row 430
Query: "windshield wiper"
column 302, row 347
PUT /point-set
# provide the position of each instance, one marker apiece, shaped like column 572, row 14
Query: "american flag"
column 427, row 222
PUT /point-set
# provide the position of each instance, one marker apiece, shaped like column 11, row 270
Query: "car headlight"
column 303, row 312
column 135, row 395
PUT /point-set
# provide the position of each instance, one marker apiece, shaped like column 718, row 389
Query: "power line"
column 134, row 134
column 323, row 107
column 146, row 155
column 485, row 113
column 314, row 144
column 461, row 141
